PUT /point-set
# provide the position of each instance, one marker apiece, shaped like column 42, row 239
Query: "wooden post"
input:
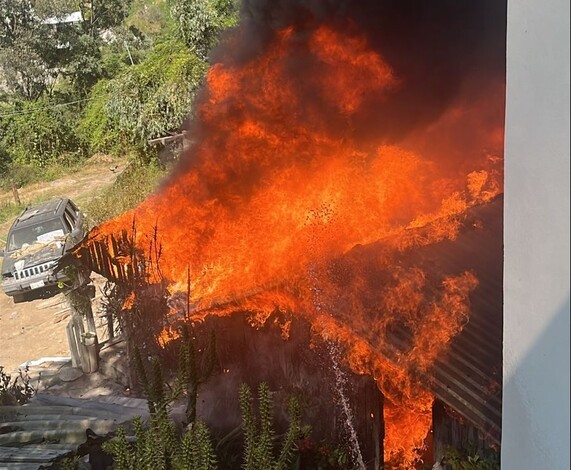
column 82, row 344
column 73, row 346
column 110, row 325
column 15, row 192
column 89, row 342
column 88, row 313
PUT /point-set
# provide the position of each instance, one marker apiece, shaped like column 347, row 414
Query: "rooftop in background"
column 74, row 17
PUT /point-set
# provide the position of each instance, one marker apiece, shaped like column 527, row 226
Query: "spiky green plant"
column 158, row 447
column 259, row 435
column 123, row 454
column 153, row 385
column 194, row 370
column 196, row 450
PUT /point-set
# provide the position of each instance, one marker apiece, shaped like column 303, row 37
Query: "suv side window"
column 67, row 223
column 70, row 218
column 73, row 208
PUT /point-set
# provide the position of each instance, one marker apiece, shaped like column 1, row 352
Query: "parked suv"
column 37, row 240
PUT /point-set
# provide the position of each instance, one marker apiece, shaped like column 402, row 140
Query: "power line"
column 30, row 111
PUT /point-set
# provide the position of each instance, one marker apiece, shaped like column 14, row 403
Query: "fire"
column 270, row 205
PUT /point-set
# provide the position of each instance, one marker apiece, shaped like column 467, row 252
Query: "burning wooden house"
column 293, row 354
column 358, row 211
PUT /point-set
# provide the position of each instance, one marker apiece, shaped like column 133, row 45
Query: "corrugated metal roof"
column 468, row 375
column 53, row 426
column 50, row 427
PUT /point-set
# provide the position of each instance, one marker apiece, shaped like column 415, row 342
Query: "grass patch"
column 131, row 188
column 8, row 212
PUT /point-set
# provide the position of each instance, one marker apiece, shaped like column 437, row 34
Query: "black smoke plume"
column 441, row 51
column 433, row 45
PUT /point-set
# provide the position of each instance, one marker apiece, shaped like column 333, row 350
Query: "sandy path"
column 29, row 330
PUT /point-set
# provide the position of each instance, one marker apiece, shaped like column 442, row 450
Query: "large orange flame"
column 277, row 189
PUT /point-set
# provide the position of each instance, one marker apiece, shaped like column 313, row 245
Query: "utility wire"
column 30, row 111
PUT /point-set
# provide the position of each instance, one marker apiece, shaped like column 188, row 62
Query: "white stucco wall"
column 536, row 279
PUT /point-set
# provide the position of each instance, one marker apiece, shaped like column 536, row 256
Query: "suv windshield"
column 42, row 232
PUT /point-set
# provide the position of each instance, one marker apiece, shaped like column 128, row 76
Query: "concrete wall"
column 536, row 283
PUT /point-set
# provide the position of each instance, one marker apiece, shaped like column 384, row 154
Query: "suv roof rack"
column 50, row 207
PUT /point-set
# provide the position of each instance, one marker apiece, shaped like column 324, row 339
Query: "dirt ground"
column 36, row 329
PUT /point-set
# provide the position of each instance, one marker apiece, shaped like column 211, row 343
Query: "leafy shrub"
column 97, row 127
column 19, row 175
column 154, row 97
column 470, row 459
column 41, row 133
column 15, row 391
column 146, row 101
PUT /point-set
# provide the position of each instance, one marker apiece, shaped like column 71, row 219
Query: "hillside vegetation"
column 85, row 78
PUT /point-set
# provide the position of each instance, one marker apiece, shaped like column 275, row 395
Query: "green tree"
column 100, row 29
column 23, row 46
column 15, row 17
column 129, row 77
column 85, row 66
column 103, row 15
column 200, row 22
column 147, row 100
column 38, row 42
column 151, row 18
column 5, row 159
column 40, row 133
